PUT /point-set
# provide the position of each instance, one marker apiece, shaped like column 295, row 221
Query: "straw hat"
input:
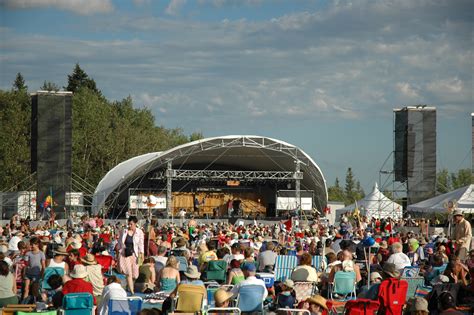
column 89, row 259
column 79, row 271
column 61, row 251
column 221, row 295
column 317, row 299
column 192, row 272
column 421, row 304
column 289, row 283
column 76, row 244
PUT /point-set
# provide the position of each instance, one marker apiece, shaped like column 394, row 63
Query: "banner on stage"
column 147, row 201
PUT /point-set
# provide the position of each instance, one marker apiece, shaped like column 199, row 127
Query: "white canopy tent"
column 375, row 204
column 462, row 198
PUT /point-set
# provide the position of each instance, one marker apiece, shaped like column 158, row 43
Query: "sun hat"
column 79, row 271
column 3, row 249
column 421, row 304
column 89, row 259
column 317, row 299
column 76, row 244
column 390, row 270
column 60, row 251
column 374, row 276
column 458, row 212
column 289, row 283
column 221, row 295
column 192, row 272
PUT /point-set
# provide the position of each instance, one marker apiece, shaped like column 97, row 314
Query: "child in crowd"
column 35, row 260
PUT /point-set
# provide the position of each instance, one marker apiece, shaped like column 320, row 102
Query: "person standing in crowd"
column 131, row 251
column 462, row 234
column 36, row 261
column 7, row 286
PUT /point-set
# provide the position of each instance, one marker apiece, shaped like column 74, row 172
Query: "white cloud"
column 83, row 7
column 407, row 90
column 174, row 7
column 451, row 85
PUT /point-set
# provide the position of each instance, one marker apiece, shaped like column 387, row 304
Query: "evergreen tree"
column 19, row 83
column 463, row 178
column 79, row 79
column 49, row 86
column 443, row 182
column 360, row 193
column 350, row 188
column 335, row 193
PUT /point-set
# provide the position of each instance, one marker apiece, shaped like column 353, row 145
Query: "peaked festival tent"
column 462, row 199
column 375, row 204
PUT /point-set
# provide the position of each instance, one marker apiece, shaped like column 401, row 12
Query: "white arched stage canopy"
column 243, row 153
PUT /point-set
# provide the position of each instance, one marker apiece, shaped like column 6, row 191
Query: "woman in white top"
column 59, row 260
column 113, row 290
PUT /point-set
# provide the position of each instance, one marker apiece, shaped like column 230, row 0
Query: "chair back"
column 183, row 263
column 48, row 272
column 361, row 307
column 131, row 305
column 413, row 283
column 105, row 261
column 344, row 282
column 78, row 304
column 53, row 312
column 12, row 309
column 251, row 298
column 224, row 310
column 319, row 262
column 291, row 311
column 216, row 270
column 284, row 265
column 190, row 298
column 304, row 290
column 211, row 289
column 158, row 266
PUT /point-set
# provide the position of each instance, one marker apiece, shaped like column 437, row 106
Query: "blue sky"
column 323, row 75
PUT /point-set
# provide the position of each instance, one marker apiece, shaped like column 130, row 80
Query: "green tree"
column 350, row 188
column 360, row 193
column 49, row 86
column 443, row 182
column 15, row 113
column 79, row 79
column 463, row 178
column 19, row 83
column 335, row 193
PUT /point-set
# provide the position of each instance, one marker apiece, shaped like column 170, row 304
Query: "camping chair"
column 318, row 262
column 183, row 263
column 344, row 284
column 53, row 312
column 292, row 311
column 216, row 270
column 369, row 307
column 131, row 305
column 158, row 266
column 413, row 283
column 189, row 299
column 12, row 309
column 284, row 265
column 48, row 272
column 304, row 289
column 224, row 310
column 211, row 289
column 250, row 298
column 105, row 261
column 78, row 304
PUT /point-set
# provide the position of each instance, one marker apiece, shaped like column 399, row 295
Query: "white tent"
column 462, row 198
column 375, row 204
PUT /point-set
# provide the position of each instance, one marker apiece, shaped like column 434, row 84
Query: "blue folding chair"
column 48, row 272
column 78, row 304
column 284, row 265
column 131, row 305
column 211, row 289
column 183, row 263
column 344, row 285
column 318, row 262
column 250, row 298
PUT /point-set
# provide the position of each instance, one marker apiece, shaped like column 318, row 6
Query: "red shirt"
column 78, row 286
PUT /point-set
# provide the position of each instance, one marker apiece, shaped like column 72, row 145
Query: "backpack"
column 452, row 288
column 361, row 307
column 392, row 296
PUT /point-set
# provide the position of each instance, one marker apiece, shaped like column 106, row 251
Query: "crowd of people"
column 117, row 260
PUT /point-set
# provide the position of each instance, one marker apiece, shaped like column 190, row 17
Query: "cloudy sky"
column 323, row 75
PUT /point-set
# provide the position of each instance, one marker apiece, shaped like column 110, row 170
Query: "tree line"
column 352, row 191
column 104, row 132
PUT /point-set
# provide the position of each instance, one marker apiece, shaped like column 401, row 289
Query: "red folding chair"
column 105, row 261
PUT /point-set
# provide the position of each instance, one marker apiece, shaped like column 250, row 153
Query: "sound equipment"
column 415, row 151
column 51, row 149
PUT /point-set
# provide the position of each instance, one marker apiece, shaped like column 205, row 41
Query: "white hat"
column 79, row 271
column 374, row 276
column 76, row 244
column 3, row 249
